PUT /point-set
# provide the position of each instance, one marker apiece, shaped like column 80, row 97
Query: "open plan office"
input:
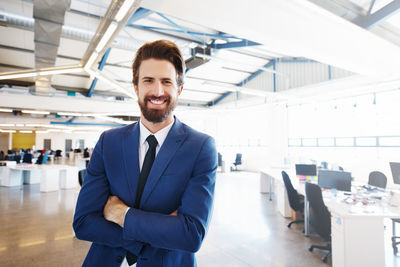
column 299, row 100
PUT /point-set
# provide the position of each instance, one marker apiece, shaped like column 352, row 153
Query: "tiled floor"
column 246, row 230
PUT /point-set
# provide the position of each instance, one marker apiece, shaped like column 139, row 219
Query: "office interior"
column 277, row 84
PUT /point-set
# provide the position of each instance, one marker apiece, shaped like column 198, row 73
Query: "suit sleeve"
column 89, row 223
column 185, row 231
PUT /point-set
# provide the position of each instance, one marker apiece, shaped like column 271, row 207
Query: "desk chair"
column 321, row 218
column 58, row 154
column 377, row 179
column 238, row 160
column 81, row 176
column 296, row 201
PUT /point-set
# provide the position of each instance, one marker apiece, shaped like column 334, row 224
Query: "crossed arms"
column 98, row 215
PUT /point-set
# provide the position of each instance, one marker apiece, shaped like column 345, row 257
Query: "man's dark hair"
column 161, row 49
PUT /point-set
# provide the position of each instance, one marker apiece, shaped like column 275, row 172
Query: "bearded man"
column 148, row 193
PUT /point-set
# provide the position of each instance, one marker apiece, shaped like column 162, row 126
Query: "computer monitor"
column 306, row 169
column 334, row 179
column 306, row 172
column 395, row 167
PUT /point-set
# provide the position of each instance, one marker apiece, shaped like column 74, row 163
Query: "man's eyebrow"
column 147, row 77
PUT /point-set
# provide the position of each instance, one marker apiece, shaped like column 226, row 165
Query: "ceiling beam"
column 368, row 22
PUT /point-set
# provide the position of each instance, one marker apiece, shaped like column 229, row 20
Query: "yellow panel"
column 23, row 140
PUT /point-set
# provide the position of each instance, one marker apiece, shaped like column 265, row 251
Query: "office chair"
column 296, row 201
column 81, row 176
column 27, row 158
column 238, row 160
column 219, row 159
column 377, row 179
column 58, row 154
column 320, row 219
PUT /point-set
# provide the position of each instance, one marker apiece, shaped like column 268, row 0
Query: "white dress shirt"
column 161, row 135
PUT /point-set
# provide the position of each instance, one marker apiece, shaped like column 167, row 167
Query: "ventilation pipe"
column 49, row 19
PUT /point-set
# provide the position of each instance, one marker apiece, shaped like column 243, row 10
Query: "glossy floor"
column 246, row 230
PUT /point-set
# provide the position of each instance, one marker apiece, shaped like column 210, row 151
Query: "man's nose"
column 158, row 89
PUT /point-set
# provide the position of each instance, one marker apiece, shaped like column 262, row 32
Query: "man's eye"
column 167, row 82
column 147, row 80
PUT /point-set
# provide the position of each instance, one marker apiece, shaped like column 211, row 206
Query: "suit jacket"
column 182, row 178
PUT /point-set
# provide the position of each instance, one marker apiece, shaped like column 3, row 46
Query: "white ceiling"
column 286, row 29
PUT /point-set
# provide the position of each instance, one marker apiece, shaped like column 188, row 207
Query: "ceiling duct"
column 197, row 59
column 49, row 19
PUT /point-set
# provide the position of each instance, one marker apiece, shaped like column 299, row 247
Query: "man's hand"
column 175, row 213
column 114, row 210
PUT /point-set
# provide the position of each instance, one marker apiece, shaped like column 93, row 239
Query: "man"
column 148, row 193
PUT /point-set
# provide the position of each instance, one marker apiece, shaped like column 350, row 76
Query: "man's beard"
column 157, row 115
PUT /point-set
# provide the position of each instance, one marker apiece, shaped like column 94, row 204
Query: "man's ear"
column 180, row 90
column 136, row 89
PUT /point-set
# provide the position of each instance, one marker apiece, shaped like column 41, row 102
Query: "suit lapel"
column 174, row 139
column 131, row 158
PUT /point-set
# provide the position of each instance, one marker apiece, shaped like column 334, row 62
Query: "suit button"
column 119, row 259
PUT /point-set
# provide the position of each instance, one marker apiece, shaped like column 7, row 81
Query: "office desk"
column 271, row 182
column 358, row 231
column 50, row 177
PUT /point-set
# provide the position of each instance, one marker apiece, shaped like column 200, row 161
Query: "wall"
column 58, row 139
column 370, row 115
column 259, row 133
column 23, row 140
column 5, row 142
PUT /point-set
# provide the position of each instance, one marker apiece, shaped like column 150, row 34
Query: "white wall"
column 259, row 133
column 349, row 117
column 58, row 139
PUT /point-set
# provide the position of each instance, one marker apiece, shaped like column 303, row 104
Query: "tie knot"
column 152, row 141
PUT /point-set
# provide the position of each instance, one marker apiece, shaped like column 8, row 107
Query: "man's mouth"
column 157, row 101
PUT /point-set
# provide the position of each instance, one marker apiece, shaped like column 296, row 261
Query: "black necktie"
column 146, row 167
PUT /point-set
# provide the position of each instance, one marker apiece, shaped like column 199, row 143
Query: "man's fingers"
column 175, row 213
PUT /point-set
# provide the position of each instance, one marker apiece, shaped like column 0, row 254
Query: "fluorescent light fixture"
column 17, row 75
column 123, row 10
column 7, row 131
column 19, row 125
column 111, row 82
column 54, row 130
column 61, row 71
column 35, row 112
column 70, row 114
column 106, row 37
column 25, row 131
column 34, row 125
column 5, row 110
column 43, row 71
column 7, row 125
column 41, row 132
column 90, row 61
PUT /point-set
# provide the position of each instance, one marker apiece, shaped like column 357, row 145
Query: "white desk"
column 357, row 233
column 50, row 177
column 271, row 182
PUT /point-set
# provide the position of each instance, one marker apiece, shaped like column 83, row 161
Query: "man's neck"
column 154, row 127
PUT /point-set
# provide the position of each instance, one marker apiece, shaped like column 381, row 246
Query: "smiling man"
column 147, row 197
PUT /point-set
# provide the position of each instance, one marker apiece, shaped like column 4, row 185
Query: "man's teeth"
column 157, row 102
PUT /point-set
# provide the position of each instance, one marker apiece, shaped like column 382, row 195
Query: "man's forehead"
column 157, row 68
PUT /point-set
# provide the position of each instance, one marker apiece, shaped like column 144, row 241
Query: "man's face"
column 157, row 89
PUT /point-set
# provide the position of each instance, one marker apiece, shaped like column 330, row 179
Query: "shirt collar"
column 161, row 135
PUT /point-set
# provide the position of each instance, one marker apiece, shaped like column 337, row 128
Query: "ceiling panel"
column 17, row 58
column 72, row 48
column 16, row 37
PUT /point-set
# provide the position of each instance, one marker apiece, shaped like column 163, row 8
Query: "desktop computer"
column 395, row 168
column 334, row 179
column 306, row 172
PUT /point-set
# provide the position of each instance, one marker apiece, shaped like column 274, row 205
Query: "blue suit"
column 182, row 178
